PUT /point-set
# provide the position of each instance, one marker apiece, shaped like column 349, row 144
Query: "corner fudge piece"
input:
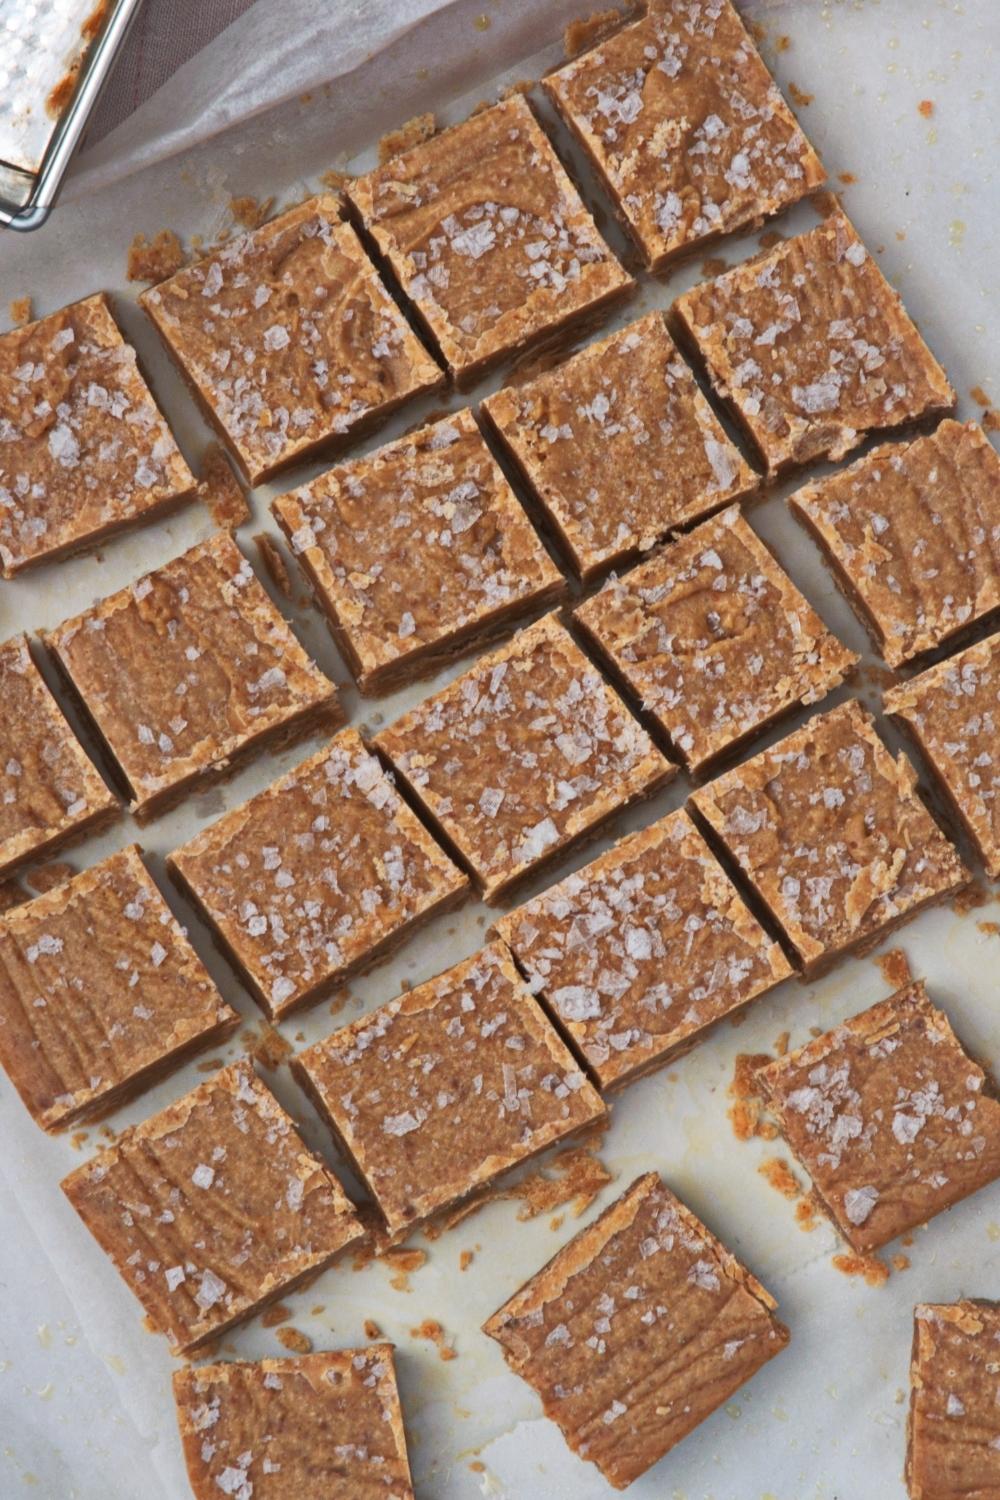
column 100, row 993
column 417, row 552
column 714, row 640
column 953, row 1432
column 637, row 1330
column 912, row 535
column 686, row 128
column 829, row 831
column 188, row 668
column 489, row 238
column 318, row 877
column 84, row 450
column 526, row 753
column 288, row 339
column 889, row 1115
column 811, row 348
column 213, row 1208
column 325, row 1425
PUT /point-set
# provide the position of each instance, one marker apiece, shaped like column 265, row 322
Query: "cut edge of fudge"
column 922, row 1350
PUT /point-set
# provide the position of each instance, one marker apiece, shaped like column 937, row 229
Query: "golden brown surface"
column 84, row 450
column 637, row 1330
column 953, row 1434
column 288, row 337
column 212, row 1207
column 417, row 550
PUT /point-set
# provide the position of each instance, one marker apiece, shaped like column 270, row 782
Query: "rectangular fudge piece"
column 213, row 1208
column 953, row 1432
column 188, row 669
column 618, row 447
column 100, row 993
column 829, row 831
column 318, row 877
column 714, row 640
column 417, row 552
column 288, row 338
column 522, row 756
column 451, row 1084
column 811, row 348
column 84, row 450
column 685, row 127
column 912, row 535
column 889, row 1115
column 637, row 1330
column 488, row 237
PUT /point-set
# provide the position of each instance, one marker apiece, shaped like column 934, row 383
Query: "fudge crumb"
column 413, row 133
column 991, row 421
column 847, row 178
column 155, row 259
column 465, row 1259
column 770, row 238
column 295, row 1340
column 318, row 1310
column 977, row 393
column 431, row 1329
column 579, row 36
column 969, row 898
column 477, row 1466
column 777, row 1172
column 894, row 967
column 251, row 212
column 21, row 311
column 78, row 1137
column 901, row 1262
column 874, row 1271
column 783, row 43
column 556, row 1222
column 579, row 1177
column 403, row 1263
column 745, row 1111
column 220, row 491
column 991, row 929
column 714, row 265
column 268, row 1047
column 270, row 556
column 799, row 96
column 11, row 894
column 279, row 1313
column 210, row 1064
column 926, row 108
column 47, row 877
column 781, row 1044
column 807, row 1215
column 334, row 180
column 372, row 1330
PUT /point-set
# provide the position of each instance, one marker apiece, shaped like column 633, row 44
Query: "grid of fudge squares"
column 618, row 447
column 455, row 1082
column 100, row 993
column 829, row 832
column 84, row 450
column 912, row 535
column 713, row 640
column 953, row 1431
column 318, row 877
column 288, row 338
column 418, row 552
column 811, row 348
column 188, row 669
column 325, row 1426
column 685, row 127
column 891, row 1118
column 212, row 1208
column 523, row 755
column 637, row 1330
column 488, row 237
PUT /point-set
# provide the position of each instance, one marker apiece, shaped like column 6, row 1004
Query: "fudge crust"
column 637, row 1330
column 953, row 1432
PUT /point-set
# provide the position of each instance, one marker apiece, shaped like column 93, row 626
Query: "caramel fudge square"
column 188, row 669
column 618, row 447
column 811, row 348
column 100, row 993
column 637, row 1330
column 829, row 831
column 953, row 1433
column 318, row 877
column 326, row 1426
column 912, row 535
column 84, row 450
column 288, row 339
column 889, row 1115
column 418, row 552
column 526, row 753
column 50, row 794
column 213, row 1208
column 713, row 640
column 451, row 1084
column 685, row 127
column 488, row 237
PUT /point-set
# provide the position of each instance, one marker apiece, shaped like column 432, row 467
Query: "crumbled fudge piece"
column 829, row 830
column 685, row 127
column 637, row 1330
column 327, row 1425
column 912, row 534
column 449, row 1085
column 628, row 405
column 213, row 1207
column 50, row 794
column 714, row 639
column 318, row 877
column 890, row 1117
column 417, row 552
column 220, row 491
column 84, row 450
column 288, row 338
column 188, row 668
column 489, row 238
column 953, row 1433
column 527, row 752
column 638, row 953
column 811, row 348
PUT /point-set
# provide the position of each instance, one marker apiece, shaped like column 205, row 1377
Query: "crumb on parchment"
column 413, row 133
column 220, row 491
column 155, row 259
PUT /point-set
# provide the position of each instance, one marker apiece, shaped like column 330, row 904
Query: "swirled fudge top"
column 953, row 1432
